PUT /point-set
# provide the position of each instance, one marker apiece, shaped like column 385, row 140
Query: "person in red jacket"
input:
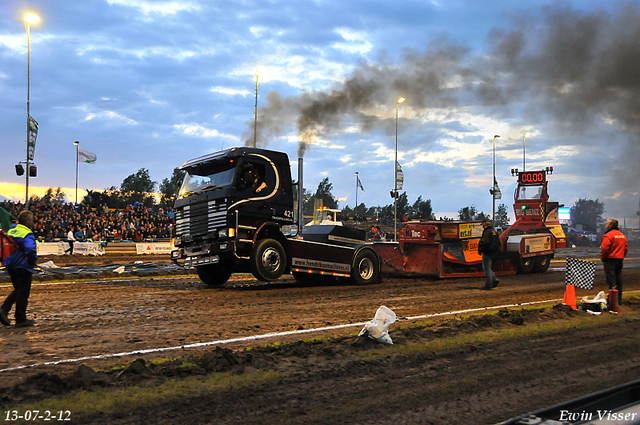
column 612, row 251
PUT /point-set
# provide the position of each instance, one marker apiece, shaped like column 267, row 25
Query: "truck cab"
column 230, row 202
column 231, row 213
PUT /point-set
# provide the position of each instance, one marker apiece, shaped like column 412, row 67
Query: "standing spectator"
column 612, row 252
column 20, row 267
column 488, row 246
column 71, row 239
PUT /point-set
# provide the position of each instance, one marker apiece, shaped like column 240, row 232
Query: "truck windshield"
column 197, row 181
column 530, row 192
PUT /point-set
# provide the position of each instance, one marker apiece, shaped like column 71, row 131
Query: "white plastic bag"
column 378, row 327
column 597, row 303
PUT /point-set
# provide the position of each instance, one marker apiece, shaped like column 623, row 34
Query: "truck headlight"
column 227, row 233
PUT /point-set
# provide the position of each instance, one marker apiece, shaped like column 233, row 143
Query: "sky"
column 151, row 84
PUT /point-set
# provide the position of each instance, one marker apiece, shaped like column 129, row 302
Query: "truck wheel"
column 366, row 268
column 268, row 260
column 214, row 274
column 541, row 264
column 525, row 265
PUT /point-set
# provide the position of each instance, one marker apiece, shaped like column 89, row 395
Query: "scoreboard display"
column 532, row 177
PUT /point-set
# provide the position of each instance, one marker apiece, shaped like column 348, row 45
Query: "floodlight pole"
column 395, row 173
column 493, row 191
column 355, row 210
column 77, row 157
column 26, row 196
column 255, row 121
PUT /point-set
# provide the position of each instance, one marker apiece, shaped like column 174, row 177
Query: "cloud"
column 230, row 92
column 111, row 115
column 200, row 131
column 157, row 7
column 355, row 41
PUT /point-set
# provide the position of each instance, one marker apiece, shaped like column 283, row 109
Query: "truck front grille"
column 201, row 219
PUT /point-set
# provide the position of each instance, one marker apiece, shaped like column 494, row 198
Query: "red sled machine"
column 445, row 249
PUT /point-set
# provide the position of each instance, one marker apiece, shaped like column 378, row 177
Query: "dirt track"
column 500, row 380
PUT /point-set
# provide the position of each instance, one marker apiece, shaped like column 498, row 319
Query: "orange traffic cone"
column 570, row 297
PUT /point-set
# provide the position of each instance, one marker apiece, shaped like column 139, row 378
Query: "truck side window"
column 252, row 177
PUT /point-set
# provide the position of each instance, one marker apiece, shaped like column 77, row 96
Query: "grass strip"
column 120, row 401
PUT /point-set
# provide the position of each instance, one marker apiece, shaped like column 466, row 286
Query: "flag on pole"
column 360, row 183
column 399, row 176
column 580, row 273
column 33, row 133
column 86, row 156
column 497, row 194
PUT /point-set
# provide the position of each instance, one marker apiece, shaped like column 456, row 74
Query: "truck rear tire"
column 366, row 268
column 541, row 264
column 525, row 265
column 214, row 274
column 268, row 260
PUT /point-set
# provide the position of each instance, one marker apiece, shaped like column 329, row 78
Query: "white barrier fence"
column 96, row 248
column 154, row 248
column 80, row 248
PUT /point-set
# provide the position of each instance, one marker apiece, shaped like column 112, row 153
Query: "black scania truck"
column 234, row 213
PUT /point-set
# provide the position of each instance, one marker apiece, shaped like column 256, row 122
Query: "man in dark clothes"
column 488, row 248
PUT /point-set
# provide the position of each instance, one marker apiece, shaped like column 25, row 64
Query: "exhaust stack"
column 300, row 194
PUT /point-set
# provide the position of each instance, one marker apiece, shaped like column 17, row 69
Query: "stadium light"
column 29, row 20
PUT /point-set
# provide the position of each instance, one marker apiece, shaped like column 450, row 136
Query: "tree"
column 324, row 192
column 95, row 198
column 137, row 187
column 403, row 206
column 467, row 213
column 502, row 216
column 588, row 213
column 139, row 182
column 307, row 203
column 422, row 209
column 54, row 197
column 471, row 213
column 169, row 188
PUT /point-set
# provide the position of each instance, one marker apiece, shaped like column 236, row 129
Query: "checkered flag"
column 580, row 273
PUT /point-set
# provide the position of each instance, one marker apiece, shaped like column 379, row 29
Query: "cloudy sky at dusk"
column 150, row 84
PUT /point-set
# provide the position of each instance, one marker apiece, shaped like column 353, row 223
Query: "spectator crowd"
column 52, row 222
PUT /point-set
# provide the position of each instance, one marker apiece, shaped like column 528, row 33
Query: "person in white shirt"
column 71, row 239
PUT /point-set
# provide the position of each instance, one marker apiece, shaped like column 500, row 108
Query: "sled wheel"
column 214, row 274
column 366, row 268
column 525, row 265
column 268, row 260
column 541, row 264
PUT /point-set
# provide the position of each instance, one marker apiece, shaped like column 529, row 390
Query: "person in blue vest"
column 20, row 267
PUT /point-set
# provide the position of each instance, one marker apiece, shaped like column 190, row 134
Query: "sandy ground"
column 328, row 382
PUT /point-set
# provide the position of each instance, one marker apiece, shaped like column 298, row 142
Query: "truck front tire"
column 268, row 260
column 366, row 268
column 214, row 274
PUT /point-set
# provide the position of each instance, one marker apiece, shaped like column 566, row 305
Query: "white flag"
column 86, row 156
